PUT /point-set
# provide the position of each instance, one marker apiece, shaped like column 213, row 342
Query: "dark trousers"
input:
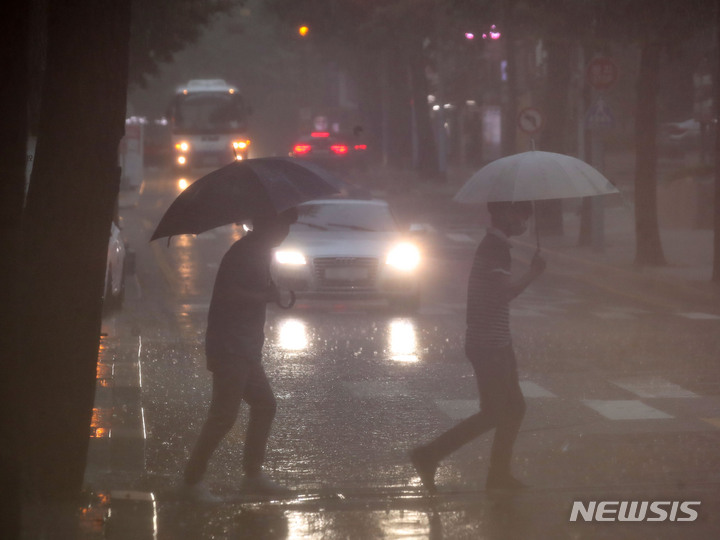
column 245, row 382
column 502, row 407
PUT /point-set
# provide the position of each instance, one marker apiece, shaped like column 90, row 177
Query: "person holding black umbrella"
column 488, row 347
column 233, row 346
column 266, row 191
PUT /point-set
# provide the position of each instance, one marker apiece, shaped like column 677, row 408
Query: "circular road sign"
column 602, row 73
column 530, row 120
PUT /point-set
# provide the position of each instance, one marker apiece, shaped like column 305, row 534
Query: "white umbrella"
column 534, row 176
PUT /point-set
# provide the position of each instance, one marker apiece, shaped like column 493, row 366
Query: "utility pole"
column 716, row 224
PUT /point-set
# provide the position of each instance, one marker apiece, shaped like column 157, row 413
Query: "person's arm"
column 244, row 294
column 513, row 287
column 251, row 285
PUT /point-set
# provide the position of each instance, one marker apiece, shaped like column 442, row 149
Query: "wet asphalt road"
column 623, row 402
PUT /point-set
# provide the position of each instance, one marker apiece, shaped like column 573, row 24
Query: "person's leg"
column 427, row 457
column 509, row 415
column 259, row 396
column 227, row 395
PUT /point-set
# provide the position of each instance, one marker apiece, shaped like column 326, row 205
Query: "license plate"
column 346, row 273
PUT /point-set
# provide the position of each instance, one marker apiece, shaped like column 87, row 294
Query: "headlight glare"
column 404, row 256
column 290, row 257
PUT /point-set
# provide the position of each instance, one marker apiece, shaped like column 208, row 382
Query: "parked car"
column 330, row 150
column 116, row 268
column 348, row 248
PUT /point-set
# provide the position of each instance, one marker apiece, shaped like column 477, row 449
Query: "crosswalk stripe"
column 625, row 409
column 700, row 316
column 613, row 315
column 534, row 390
column 461, row 238
column 458, row 408
column 654, row 387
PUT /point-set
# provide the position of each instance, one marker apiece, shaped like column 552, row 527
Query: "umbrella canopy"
column 245, row 189
column 534, row 176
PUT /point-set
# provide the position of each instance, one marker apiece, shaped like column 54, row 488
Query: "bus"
column 208, row 123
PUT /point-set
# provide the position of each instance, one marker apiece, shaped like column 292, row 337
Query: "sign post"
column 601, row 74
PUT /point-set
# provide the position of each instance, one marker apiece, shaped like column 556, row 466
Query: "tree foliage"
column 161, row 28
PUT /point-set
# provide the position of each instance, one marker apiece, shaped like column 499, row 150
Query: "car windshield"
column 349, row 217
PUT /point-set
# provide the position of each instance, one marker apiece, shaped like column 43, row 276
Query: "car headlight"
column 182, row 146
column 404, row 256
column 291, row 257
column 240, row 145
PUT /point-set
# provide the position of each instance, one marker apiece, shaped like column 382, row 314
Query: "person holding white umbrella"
column 488, row 347
column 508, row 186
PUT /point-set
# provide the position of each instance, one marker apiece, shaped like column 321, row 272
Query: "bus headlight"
column 404, row 256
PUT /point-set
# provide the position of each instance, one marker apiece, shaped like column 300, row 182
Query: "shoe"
column 504, row 481
column 425, row 468
column 198, row 493
column 261, row 484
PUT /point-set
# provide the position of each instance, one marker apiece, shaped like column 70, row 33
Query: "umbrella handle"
column 290, row 304
column 537, row 229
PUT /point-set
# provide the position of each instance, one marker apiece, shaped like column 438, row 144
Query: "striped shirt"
column 488, row 310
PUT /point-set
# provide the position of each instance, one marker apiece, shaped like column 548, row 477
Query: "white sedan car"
column 351, row 249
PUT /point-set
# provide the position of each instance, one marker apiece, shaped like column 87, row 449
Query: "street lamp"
column 303, row 31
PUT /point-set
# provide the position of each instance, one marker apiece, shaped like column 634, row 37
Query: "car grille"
column 346, row 272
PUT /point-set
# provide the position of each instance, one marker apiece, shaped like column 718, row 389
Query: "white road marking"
column 654, row 387
column 625, row 409
column 534, row 390
column 461, row 238
column 613, row 315
column 458, row 409
column 700, row 316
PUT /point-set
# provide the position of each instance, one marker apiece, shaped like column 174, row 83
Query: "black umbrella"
column 246, row 189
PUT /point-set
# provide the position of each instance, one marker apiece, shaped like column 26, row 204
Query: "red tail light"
column 320, row 134
column 339, row 149
column 301, row 148
column 361, row 147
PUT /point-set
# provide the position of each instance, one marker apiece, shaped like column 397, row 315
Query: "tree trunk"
column 73, row 189
column 648, row 245
column 14, row 30
column 549, row 217
column 427, row 149
column 716, row 223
